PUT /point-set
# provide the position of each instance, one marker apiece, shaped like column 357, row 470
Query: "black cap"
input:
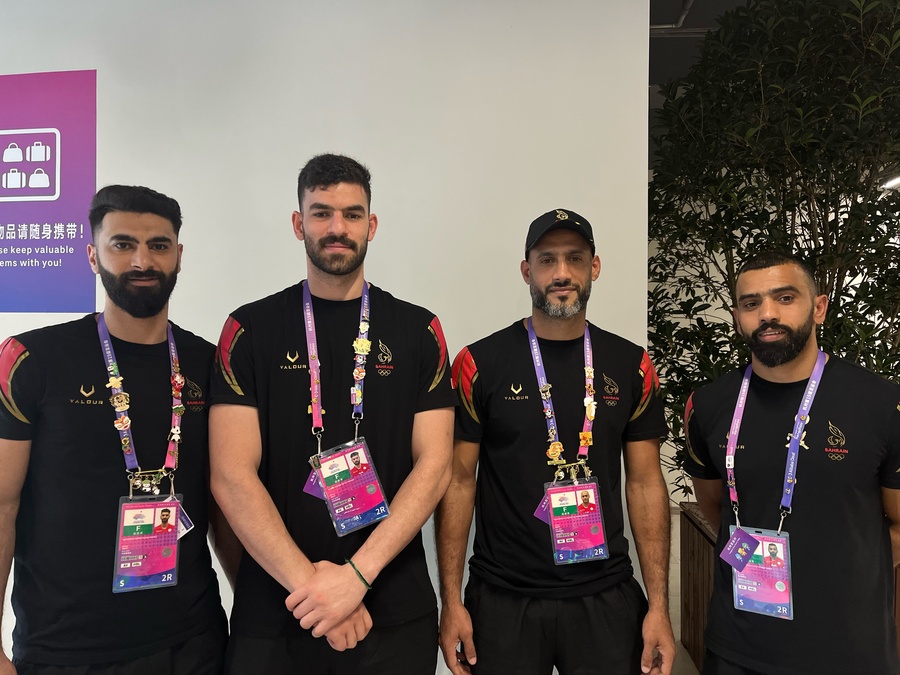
column 554, row 220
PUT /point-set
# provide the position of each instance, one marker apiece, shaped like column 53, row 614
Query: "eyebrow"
column 135, row 240
column 552, row 251
column 328, row 207
column 771, row 291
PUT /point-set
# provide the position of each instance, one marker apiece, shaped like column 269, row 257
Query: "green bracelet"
column 358, row 573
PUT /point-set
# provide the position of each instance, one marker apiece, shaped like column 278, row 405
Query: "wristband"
column 358, row 573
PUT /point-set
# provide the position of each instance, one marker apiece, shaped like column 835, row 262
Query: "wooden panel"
column 697, row 561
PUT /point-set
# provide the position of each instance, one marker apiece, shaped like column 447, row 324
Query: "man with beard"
column 800, row 450
column 527, row 394
column 64, row 452
column 284, row 368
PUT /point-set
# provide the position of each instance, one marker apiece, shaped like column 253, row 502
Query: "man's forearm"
column 649, row 516
column 452, row 522
column 412, row 505
column 8, row 513
column 260, row 529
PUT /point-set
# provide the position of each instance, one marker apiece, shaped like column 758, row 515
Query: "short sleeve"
column 697, row 460
column 21, row 384
column 648, row 418
column 434, row 380
column 233, row 378
column 889, row 474
column 468, row 426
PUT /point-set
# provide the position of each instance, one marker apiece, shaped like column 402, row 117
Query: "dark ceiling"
column 673, row 50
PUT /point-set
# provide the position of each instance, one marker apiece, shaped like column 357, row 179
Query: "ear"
column 595, row 268
column 92, row 258
column 297, row 223
column 737, row 324
column 373, row 225
column 525, row 268
column 820, row 308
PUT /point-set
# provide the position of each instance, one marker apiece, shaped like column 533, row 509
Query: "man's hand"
column 350, row 631
column 327, row 598
column 456, row 628
column 657, row 634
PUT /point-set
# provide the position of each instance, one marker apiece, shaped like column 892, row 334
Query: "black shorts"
column 203, row 654
column 523, row 635
column 410, row 648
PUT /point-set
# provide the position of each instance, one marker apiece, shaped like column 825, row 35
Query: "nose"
column 562, row 272
column 338, row 225
column 768, row 311
column 141, row 259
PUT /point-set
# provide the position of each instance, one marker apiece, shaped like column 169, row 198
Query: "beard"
column 336, row 263
column 560, row 310
column 140, row 302
column 788, row 348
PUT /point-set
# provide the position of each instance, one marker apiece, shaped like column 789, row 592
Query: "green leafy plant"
column 781, row 136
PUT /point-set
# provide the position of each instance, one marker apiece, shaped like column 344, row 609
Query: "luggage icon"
column 39, row 179
column 37, row 152
column 12, row 153
column 13, row 179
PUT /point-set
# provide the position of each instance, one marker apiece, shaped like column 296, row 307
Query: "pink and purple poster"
column 48, row 168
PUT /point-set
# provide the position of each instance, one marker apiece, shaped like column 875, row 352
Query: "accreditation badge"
column 576, row 521
column 347, row 477
column 146, row 554
column 764, row 584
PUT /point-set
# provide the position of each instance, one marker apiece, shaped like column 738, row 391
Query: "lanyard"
column 586, row 436
column 120, row 401
column 361, row 347
column 793, row 455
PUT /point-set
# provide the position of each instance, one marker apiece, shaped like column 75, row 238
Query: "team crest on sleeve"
column 12, row 354
column 463, row 376
column 231, row 333
column 650, row 386
column 437, row 332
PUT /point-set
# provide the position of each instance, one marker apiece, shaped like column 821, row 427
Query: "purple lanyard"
column 120, row 400
column 361, row 347
column 544, row 388
column 793, row 457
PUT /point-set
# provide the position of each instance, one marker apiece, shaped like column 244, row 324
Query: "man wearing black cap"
column 549, row 406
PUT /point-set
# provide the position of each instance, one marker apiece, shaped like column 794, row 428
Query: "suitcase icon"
column 13, row 179
column 37, row 152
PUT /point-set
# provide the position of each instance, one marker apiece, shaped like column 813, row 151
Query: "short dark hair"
column 164, row 510
column 772, row 258
column 325, row 170
column 133, row 199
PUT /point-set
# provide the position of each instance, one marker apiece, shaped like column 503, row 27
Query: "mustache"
column 343, row 240
column 565, row 283
column 772, row 325
column 149, row 274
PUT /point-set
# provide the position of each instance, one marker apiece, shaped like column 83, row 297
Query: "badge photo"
column 350, row 486
column 576, row 521
column 147, row 544
column 764, row 585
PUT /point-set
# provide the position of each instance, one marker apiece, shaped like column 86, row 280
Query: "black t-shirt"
column 501, row 408
column 841, row 565
column 54, row 394
column 263, row 362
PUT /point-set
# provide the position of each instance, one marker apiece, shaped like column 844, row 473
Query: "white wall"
column 473, row 117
